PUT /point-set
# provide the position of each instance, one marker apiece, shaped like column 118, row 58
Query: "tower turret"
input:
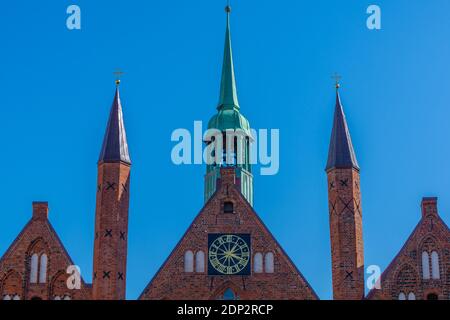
column 235, row 129
column 345, row 213
column 111, row 216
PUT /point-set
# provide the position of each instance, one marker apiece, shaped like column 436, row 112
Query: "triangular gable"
column 431, row 228
column 38, row 237
column 173, row 282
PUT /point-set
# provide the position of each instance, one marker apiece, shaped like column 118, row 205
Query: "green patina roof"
column 229, row 119
column 228, row 115
column 228, row 93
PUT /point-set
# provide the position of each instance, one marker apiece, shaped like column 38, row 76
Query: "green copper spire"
column 228, row 94
column 229, row 118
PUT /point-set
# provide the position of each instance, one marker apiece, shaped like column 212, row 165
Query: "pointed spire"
column 228, row 93
column 341, row 153
column 115, row 147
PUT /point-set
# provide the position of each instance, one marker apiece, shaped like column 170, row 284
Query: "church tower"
column 347, row 253
column 227, row 252
column 111, row 217
column 235, row 129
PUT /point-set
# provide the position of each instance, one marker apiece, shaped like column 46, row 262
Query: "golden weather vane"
column 118, row 73
column 336, row 78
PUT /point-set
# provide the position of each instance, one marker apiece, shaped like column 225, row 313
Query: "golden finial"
column 118, row 74
column 336, row 78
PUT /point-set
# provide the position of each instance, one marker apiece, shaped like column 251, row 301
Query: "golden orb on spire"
column 118, row 73
column 336, row 78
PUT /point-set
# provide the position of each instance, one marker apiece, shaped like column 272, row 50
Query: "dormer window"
column 228, row 207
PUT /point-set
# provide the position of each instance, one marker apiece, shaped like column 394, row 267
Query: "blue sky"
column 56, row 89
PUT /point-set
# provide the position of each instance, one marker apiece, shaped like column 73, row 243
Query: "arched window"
column 401, row 296
column 57, row 298
column 7, row 297
column 258, row 263
column 435, row 265
column 411, row 296
column 34, row 268
column 432, row 296
column 67, row 297
column 268, row 263
column 425, row 265
column 200, row 261
column 228, row 207
column 229, row 295
column 16, row 297
column 189, row 261
column 43, row 269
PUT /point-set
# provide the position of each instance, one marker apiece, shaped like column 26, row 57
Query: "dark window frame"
column 228, row 207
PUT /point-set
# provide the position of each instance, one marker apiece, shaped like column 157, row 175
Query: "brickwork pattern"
column 347, row 248
column 111, row 231
column 405, row 273
column 171, row 282
column 37, row 237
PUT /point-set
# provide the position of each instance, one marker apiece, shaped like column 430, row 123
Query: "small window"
column 200, row 262
column 43, row 269
column 425, row 265
column 432, row 296
column 229, row 295
column 401, row 296
column 7, row 297
column 268, row 263
column 34, row 268
column 228, row 207
column 229, row 159
column 189, row 261
column 411, row 296
column 435, row 265
column 258, row 263
column 57, row 298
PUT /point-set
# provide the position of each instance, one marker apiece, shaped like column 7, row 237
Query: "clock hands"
column 229, row 254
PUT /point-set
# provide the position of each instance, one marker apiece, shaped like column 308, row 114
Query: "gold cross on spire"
column 228, row 7
column 336, row 78
column 118, row 73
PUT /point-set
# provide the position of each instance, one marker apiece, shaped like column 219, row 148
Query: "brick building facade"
column 35, row 265
column 421, row 270
column 227, row 252
column 273, row 275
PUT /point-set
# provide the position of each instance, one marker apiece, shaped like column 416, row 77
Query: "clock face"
column 229, row 254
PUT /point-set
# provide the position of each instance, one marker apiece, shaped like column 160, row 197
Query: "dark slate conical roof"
column 341, row 153
column 115, row 146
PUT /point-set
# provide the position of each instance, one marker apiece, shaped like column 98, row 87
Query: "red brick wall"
column 404, row 274
column 172, row 282
column 38, row 237
column 347, row 248
column 111, row 231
